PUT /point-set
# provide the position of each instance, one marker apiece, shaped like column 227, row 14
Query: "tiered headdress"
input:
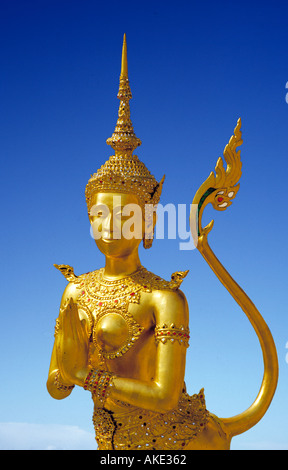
column 124, row 172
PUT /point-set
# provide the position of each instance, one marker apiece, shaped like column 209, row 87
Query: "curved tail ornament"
column 220, row 189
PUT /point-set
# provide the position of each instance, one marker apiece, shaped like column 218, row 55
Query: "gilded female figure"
column 122, row 331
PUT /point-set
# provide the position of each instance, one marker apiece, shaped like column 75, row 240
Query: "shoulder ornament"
column 67, row 271
column 177, row 279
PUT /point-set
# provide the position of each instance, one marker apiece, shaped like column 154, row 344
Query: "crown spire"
column 124, row 139
column 124, row 172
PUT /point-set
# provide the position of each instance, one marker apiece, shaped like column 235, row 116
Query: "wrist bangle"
column 60, row 386
column 99, row 383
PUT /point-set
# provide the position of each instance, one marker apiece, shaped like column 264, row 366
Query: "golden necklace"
column 106, row 303
column 109, row 301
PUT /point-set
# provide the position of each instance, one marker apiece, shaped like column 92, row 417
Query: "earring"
column 147, row 242
column 148, row 239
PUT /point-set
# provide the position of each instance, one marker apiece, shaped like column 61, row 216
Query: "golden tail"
column 220, row 190
column 244, row 421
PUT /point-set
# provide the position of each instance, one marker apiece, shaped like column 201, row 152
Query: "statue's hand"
column 72, row 345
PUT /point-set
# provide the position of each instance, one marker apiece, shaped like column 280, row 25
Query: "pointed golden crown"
column 124, row 172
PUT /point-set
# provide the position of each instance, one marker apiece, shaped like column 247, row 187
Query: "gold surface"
column 127, row 324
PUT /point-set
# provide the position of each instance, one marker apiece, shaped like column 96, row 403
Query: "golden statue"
column 122, row 331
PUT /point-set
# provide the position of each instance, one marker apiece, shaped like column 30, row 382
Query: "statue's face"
column 117, row 223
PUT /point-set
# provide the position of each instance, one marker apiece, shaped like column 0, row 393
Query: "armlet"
column 172, row 333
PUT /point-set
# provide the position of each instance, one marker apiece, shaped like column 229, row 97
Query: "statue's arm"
column 54, row 369
column 162, row 392
column 55, row 392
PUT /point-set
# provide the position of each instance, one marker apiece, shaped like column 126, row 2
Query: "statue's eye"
column 99, row 211
column 117, row 215
column 97, row 215
column 120, row 216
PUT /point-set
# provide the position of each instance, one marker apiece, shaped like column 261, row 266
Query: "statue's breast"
column 111, row 332
column 115, row 331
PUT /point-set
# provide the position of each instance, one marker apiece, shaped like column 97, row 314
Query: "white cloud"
column 28, row 436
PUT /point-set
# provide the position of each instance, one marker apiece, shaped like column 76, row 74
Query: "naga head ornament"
column 124, row 172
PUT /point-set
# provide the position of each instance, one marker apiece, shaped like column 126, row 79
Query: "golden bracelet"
column 99, row 383
column 60, row 386
column 57, row 327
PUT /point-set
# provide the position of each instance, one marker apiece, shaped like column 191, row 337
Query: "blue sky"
column 194, row 69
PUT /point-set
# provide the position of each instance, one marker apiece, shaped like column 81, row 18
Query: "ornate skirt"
column 139, row 429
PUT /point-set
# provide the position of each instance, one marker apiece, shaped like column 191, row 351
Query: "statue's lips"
column 108, row 240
